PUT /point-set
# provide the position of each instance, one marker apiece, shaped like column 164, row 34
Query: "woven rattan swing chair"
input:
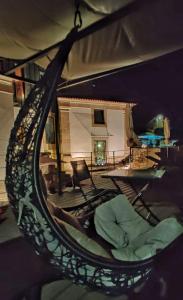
column 28, row 201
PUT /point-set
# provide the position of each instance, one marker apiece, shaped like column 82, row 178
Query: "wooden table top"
column 136, row 174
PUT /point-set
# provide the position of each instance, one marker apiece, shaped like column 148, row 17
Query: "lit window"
column 99, row 117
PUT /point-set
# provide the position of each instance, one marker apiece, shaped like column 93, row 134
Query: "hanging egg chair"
column 94, row 269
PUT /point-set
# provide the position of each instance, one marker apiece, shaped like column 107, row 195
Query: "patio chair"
column 83, row 179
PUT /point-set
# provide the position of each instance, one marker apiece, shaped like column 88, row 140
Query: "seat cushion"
column 83, row 240
column 148, row 244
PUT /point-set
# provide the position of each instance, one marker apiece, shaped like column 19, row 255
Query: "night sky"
column 156, row 86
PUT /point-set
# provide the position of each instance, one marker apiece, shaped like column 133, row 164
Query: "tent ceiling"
column 156, row 28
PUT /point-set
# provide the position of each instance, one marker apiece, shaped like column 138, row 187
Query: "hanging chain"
column 77, row 18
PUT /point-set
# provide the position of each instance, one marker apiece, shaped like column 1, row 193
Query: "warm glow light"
column 159, row 117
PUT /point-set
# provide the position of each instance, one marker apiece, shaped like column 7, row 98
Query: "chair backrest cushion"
column 118, row 223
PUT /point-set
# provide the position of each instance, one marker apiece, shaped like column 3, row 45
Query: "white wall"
column 115, row 121
column 80, row 131
column 6, row 123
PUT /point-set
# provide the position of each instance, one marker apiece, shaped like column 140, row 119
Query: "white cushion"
column 118, row 223
column 83, row 240
column 133, row 238
column 154, row 240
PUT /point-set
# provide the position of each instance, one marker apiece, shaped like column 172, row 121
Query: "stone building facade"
column 92, row 129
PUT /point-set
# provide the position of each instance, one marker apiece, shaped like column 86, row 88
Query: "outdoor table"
column 130, row 176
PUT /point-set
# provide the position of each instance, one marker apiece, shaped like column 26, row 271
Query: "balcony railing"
column 96, row 161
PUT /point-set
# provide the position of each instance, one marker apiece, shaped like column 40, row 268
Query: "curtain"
column 166, row 128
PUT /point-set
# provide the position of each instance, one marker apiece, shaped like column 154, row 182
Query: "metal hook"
column 77, row 18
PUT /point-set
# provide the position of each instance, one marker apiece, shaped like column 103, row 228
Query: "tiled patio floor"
column 164, row 204
column 161, row 199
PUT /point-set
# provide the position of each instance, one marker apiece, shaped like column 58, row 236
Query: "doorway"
column 100, row 152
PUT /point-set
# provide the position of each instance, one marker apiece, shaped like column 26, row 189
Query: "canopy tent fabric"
column 153, row 29
column 132, row 138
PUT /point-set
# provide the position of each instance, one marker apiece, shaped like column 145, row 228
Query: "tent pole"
column 57, row 142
